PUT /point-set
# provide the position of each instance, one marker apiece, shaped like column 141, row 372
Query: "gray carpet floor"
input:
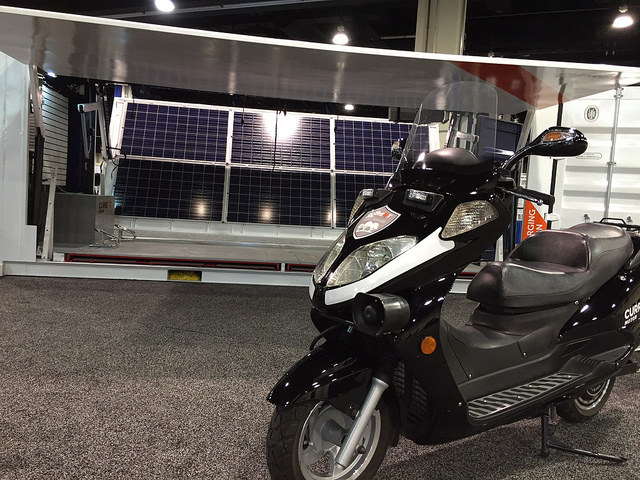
column 138, row 380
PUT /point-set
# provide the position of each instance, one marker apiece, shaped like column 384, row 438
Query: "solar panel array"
column 278, row 169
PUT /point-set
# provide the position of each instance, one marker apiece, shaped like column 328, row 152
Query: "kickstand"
column 549, row 441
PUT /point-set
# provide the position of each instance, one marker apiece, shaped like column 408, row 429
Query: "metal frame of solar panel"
column 201, row 162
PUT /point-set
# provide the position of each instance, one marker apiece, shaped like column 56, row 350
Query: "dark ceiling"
column 562, row 30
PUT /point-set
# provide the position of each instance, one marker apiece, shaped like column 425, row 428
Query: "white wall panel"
column 582, row 181
column 17, row 239
column 625, row 191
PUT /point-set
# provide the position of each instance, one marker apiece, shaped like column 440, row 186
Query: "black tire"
column 285, row 442
column 588, row 404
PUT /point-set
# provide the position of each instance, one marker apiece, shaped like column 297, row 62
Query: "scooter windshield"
column 469, row 109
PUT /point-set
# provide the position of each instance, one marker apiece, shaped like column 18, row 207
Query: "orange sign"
column 533, row 221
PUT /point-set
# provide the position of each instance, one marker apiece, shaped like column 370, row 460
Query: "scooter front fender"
column 332, row 372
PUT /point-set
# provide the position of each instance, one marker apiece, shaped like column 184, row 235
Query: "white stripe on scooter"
column 429, row 248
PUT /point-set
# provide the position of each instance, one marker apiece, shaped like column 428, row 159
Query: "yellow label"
column 185, row 275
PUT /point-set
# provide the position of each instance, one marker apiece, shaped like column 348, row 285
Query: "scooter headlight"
column 468, row 216
column 368, row 258
column 328, row 258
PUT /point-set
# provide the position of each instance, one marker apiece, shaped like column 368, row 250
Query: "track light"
column 165, row 5
column 623, row 20
column 340, row 38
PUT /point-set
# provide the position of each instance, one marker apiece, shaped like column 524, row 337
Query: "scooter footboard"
column 331, row 372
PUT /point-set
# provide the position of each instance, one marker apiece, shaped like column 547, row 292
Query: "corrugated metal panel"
column 55, row 108
column 32, row 131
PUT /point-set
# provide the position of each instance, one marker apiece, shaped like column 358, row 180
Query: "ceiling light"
column 340, row 38
column 349, row 107
column 165, row 5
column 623, row 20
column 52, row 74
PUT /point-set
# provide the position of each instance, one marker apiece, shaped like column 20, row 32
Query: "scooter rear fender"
column 332, row 372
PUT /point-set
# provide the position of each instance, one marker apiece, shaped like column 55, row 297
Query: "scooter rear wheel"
column 588, row 404
column 304, row 441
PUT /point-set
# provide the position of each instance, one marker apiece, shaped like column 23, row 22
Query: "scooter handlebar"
column 532, row 196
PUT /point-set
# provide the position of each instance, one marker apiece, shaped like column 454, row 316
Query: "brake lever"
column 525, row 194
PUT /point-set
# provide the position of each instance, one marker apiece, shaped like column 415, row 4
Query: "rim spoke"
column 332, row 462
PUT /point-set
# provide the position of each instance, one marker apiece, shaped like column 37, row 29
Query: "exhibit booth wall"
column 128, row 53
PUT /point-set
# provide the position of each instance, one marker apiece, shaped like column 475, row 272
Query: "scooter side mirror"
column 559, row 142
column 553, row 142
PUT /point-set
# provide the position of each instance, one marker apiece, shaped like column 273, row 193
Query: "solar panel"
column 366, row 146
column 175, row 132
column 296, row 141
column 280, row 197
column 146, row 188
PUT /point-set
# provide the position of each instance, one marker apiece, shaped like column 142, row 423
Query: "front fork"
column 351, row 446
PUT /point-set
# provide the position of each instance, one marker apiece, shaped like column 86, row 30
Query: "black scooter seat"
column 553, row 267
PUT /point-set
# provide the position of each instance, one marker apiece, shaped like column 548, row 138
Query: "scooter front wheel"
column 304, row 441
column 588, row 404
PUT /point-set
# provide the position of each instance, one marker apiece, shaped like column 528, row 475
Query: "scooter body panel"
column 332, row 371
column 614, row 307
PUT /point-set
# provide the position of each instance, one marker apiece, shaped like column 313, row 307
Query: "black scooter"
column 557, row 320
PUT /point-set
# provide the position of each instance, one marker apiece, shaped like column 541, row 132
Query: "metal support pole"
column 440, row 26
column 332, row 168
column 611, row 163
column 36, row 99
column 554, row 168
column 554, row 176
column 47, row 244
column 227, row 168
column 526, row 129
